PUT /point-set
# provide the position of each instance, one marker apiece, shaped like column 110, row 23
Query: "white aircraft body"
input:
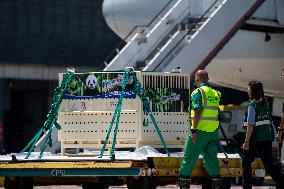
column 256, row 52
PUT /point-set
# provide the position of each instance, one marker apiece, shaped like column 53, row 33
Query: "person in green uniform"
column 204, row 136
column 259, row 136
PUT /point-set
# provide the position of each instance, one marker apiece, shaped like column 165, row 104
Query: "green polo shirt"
column 197, row 97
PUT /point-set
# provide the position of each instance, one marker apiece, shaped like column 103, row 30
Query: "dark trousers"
column 263, row 150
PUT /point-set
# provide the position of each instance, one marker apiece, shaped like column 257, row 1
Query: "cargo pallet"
column 100, row 174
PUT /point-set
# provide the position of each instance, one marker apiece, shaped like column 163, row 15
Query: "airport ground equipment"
column 85, row 113
column 100, row 173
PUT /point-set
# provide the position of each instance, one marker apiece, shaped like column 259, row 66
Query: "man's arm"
column 197, row 114
column 197, row 106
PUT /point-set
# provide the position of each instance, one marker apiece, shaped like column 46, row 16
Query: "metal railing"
column 138, row 29
column 194, row 27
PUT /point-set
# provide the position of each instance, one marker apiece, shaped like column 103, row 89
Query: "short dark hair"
column 257, row 93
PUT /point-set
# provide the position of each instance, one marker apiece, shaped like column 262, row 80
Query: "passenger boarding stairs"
column 144, row 39
column 179, row 39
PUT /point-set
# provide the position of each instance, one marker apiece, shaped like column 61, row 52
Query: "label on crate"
column 165, row 96
column 100, row 85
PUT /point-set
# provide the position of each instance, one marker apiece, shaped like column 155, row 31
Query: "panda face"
column 91, row 82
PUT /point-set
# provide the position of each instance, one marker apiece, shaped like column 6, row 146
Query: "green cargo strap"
column 51, row 120
column 139, row 90
column 116, row 117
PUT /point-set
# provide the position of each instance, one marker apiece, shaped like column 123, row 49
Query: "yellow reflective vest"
column 209, row 115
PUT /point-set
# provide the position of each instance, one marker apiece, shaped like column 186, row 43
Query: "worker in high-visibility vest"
column 259, row 137
column 204, row 138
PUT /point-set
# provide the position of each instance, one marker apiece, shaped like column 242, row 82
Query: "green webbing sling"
column 139, row 90
column 51, row 120
column 116, row 117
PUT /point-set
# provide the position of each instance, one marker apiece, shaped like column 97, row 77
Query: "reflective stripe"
column 209, row 118
column 204, row 97
column 245, row 124
column 258, row 123
column 211, row 107
column 205, row 106
column 264, row 122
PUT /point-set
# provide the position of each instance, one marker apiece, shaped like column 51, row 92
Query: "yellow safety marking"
column 166, row 172
column 65, row 165
column 231, row 172
column 174, row 162
column 230, row 162
column 2, row 181
column 159, row 163
column 199, row 172
column 224, row 172
column 257, row 164
column 167, row 162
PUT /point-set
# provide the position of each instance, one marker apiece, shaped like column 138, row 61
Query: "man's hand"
column 245, row 146
column 193, row 137
column 279, row 137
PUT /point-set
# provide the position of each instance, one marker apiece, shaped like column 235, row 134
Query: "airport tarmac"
column 125, row 187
